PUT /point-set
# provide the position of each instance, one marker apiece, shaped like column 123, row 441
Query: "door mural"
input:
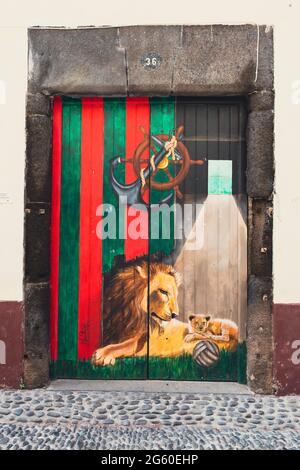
column 149, row 239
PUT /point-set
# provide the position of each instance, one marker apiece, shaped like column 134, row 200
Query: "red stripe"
column 55, row 224
column 137, row 115
column 90, row 257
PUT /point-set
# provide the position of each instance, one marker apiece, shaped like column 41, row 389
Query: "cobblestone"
column 41, row 419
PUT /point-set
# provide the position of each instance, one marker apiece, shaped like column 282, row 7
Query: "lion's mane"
column 123, row 316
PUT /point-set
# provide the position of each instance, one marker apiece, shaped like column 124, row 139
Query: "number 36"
column 151, row 61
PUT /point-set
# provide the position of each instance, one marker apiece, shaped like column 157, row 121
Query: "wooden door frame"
column 80, row 62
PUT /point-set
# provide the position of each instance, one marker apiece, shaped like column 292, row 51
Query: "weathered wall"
column 287, row 348
column 11, row 344
column 197, row 60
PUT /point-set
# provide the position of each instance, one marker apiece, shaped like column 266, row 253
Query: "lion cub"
column 223, row 332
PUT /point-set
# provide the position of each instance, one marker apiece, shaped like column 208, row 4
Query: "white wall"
column 284, row 15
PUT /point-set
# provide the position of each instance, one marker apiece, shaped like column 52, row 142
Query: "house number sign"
column 151, row 60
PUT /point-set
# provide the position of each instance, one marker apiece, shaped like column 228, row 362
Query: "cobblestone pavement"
column 44, row 419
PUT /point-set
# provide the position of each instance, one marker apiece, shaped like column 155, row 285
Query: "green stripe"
column 162, row 121
column 114, row 145
column 69, row 230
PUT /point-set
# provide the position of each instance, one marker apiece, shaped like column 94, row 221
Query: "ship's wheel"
column 174, row 169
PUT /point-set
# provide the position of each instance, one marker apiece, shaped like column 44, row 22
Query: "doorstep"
column 149, row 386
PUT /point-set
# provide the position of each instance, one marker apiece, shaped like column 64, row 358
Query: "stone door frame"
column 210, row 60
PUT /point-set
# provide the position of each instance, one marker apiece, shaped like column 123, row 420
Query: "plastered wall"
column 16, row 17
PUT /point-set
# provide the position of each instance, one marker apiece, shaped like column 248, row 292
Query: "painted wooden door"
column 148, row 239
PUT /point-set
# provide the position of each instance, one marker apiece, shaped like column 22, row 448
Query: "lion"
column 222, row 331
column 125, row 316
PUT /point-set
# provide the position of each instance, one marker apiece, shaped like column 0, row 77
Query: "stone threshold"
column 149, row 386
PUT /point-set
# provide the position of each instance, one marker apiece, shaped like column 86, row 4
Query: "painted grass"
column 231, row 367
column 129, row 368
column 185, row 368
